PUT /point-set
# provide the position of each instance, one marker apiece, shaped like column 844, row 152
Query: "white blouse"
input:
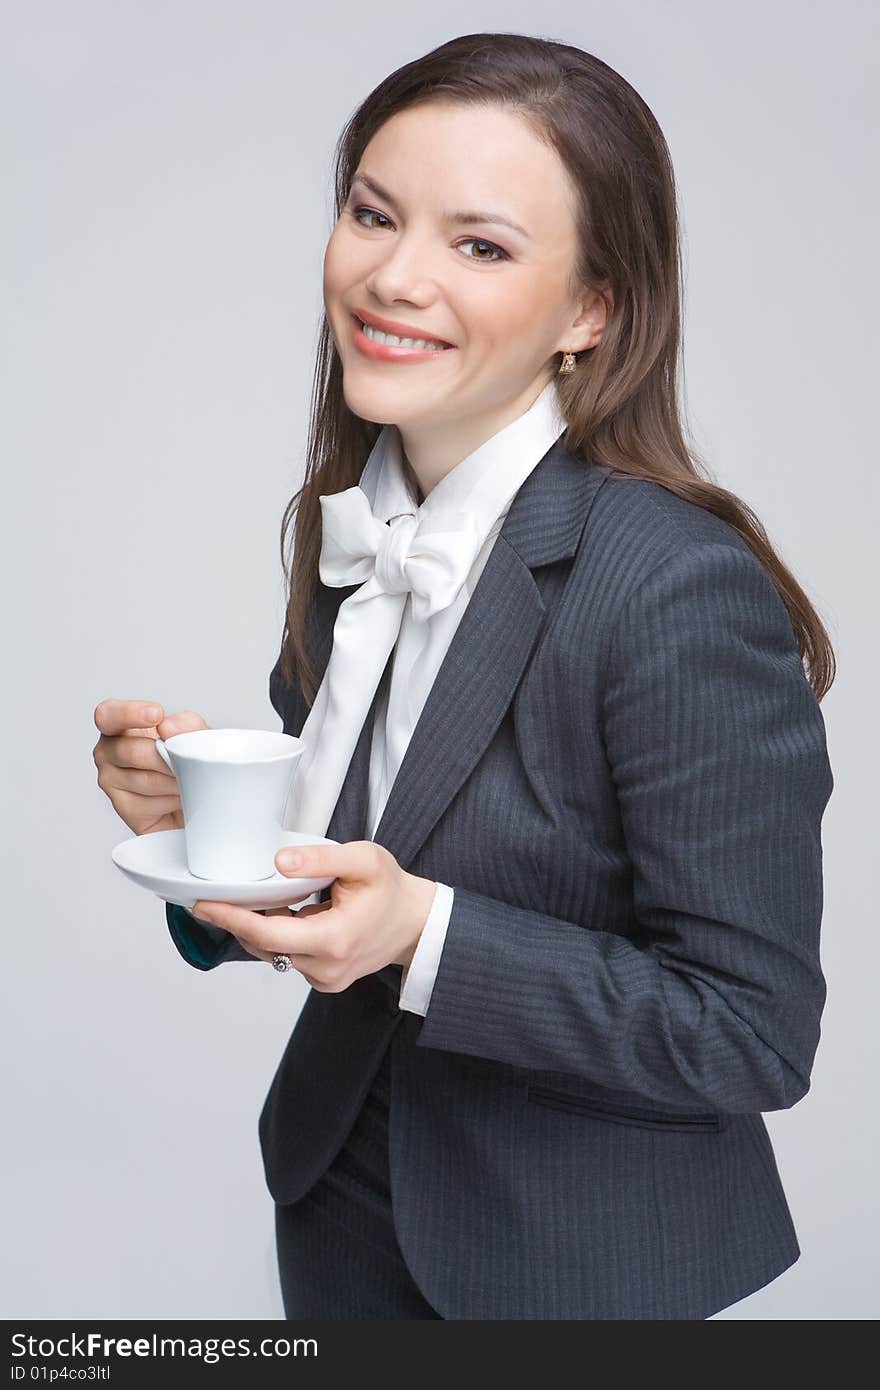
column 421, row 646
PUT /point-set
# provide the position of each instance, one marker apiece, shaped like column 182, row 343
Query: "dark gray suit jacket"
column 621, row 769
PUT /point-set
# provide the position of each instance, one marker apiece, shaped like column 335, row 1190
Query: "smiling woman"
column 403, row 266
column 559, row 703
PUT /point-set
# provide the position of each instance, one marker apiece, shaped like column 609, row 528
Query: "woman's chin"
column 381, row 405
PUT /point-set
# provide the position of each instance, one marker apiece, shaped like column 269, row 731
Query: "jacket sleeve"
column 716, row 744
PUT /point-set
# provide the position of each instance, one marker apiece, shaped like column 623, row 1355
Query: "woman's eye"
column 501, row 254
column 371, row 212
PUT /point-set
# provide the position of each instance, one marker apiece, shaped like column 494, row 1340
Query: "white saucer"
column 158, row 862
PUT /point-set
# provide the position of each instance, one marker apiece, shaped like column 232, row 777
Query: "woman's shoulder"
column 653, row 513
column 645, row 543
column 636, row 525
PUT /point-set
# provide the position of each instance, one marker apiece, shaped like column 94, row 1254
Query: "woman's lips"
column 388, row 352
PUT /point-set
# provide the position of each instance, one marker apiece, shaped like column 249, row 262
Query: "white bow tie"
column 403, row 557
column 388, row 562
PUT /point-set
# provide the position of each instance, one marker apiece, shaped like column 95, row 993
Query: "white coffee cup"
column 234, row 785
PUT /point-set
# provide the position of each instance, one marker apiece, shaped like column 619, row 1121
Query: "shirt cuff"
column 418, row 978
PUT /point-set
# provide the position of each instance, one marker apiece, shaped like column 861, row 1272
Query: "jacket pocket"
column 682, row 1121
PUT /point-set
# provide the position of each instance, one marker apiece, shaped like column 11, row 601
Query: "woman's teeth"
column 393, row 341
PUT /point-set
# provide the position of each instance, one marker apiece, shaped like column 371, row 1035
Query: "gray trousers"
column 338, row 1255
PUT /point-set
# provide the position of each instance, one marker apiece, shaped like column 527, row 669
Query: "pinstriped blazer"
column 621, row 769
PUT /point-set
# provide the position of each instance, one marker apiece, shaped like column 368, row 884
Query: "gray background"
column 168, row 200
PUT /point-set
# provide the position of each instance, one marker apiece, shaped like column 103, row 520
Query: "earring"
column 568, row 363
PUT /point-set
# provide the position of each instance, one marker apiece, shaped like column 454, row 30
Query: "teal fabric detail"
column 189, row 938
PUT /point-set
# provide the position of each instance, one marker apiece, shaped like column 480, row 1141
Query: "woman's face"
column 498, row 295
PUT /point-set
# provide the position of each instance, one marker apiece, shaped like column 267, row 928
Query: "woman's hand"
column 142, row 790
column 374, row 918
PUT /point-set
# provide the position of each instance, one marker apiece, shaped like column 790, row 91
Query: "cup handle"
column 163, row 752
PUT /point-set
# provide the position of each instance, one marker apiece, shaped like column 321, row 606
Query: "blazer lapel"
column 482, row 668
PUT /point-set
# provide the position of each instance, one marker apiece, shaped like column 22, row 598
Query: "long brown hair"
column 621, row 403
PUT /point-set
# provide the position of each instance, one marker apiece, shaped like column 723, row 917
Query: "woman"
column 551, row 686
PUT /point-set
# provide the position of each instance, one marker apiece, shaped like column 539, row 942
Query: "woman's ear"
column 588, row 328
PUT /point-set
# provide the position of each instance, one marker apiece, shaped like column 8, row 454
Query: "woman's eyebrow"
column 459, row 217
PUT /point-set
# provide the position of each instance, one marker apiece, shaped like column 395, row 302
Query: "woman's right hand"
column 142, row 790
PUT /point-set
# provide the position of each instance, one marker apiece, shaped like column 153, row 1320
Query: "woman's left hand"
column 375, row 915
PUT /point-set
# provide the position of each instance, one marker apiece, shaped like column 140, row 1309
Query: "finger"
column 301, row 965
column 132, row 750
column 136, row 781
column 267, row 956
column 304, row 965
column 130, row 805
column 114, row 717
column 270, row 933
column 182, row 723
column 357, row 861
column 258, row 955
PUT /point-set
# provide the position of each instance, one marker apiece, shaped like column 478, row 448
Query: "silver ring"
column 282, row 963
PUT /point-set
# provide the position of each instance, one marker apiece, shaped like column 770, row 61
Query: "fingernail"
column 290, row 859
